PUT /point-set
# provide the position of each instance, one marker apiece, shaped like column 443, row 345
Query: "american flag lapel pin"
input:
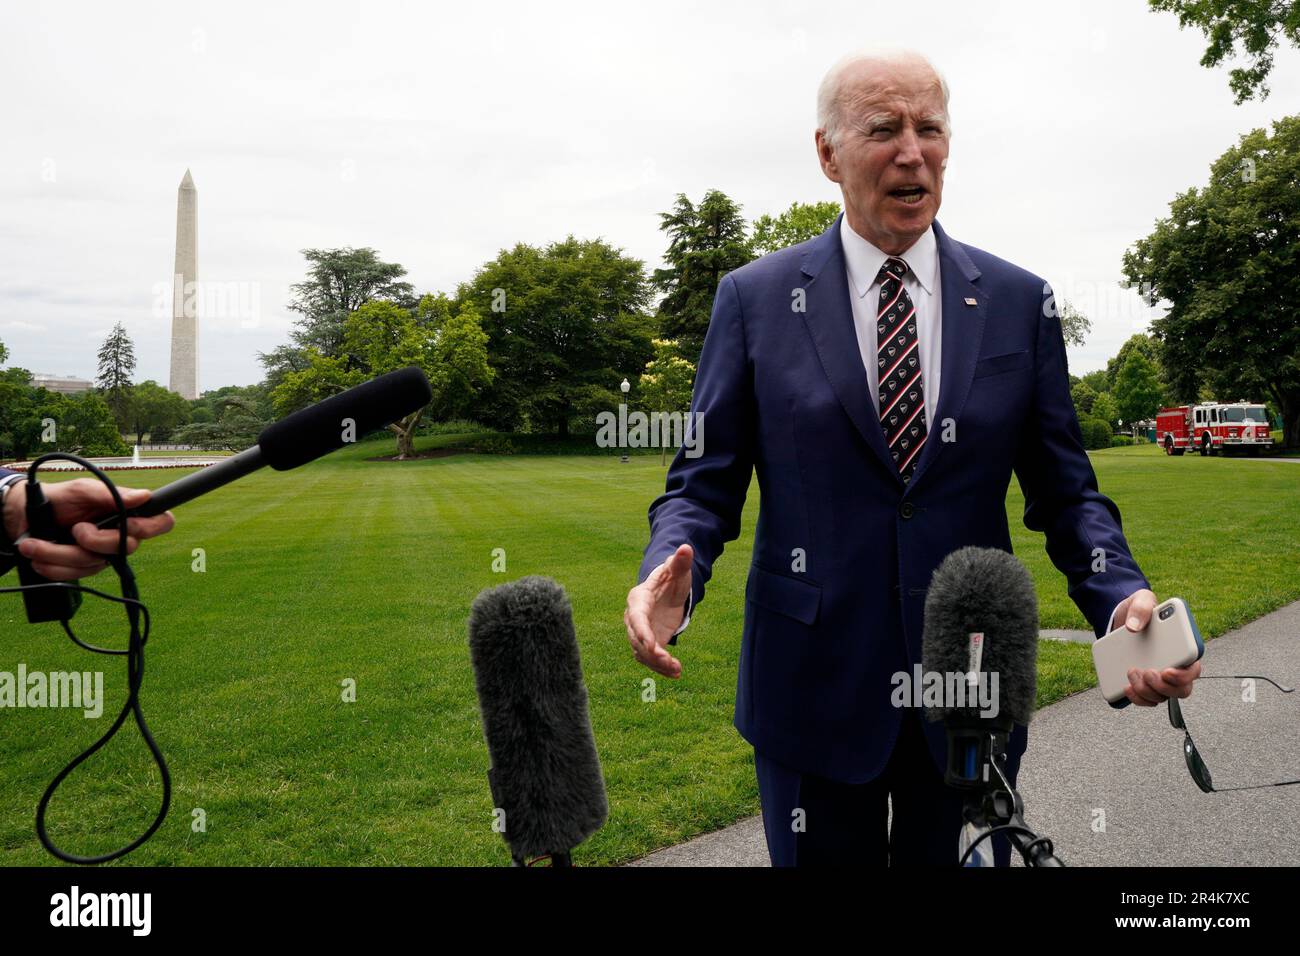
column 970, row 301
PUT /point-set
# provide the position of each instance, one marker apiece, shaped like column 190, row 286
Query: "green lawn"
column 163, row 453
column 365, row 570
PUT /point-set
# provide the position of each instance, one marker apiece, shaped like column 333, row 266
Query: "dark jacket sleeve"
column 6, row 563
column 705, row 495
column 1085, row 538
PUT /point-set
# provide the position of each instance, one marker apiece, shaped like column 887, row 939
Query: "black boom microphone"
column 545, row 777
column 981, row 632
column 302, row 437
column 294, row 440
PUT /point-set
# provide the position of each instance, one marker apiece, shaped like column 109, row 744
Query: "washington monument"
column 185, row 330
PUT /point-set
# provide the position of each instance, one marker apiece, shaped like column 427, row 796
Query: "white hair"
column 830, row 94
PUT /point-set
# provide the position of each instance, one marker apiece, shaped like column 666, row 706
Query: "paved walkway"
column 1060, row 634
column 1111, row 787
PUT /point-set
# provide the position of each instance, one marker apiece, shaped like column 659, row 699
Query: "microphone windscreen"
column 330, row 424
column 988, row 591
column 545, row 773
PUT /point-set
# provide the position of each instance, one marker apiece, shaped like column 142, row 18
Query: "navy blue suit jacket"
column 784, row 393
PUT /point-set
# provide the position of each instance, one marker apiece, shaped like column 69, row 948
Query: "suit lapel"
column 829, row 320
column 963, row 331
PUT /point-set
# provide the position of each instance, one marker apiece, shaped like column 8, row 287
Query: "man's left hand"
column 1147, row 688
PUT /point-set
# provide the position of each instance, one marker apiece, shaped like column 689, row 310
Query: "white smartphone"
column 1171, row 639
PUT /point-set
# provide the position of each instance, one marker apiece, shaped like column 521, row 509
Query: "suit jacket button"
column 906, row 510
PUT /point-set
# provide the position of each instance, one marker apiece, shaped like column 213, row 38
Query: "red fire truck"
column 1214, row 427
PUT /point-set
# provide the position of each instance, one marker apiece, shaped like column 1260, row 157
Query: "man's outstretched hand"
column 76, row 504
column 655, row 608
column 1147, row 688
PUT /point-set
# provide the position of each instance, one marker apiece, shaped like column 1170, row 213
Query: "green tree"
column 255, row 398
column 564, row 323
column 1104, row 409
column 460, row 361
column 230, row 417
column 156, row 410
column 1096, row 380
column 116, row 369
column 1256, row 24
column 1141, row 343
column 235, row 430
column 801, row 222
column 1075, row 326
column 704, row 244
column 86, row 426
column 19, row 425
column 280, row 361
column 382, row 337
column 665, row 385
column 1224, row 259
column 324, row 376
column 1084, row 396
column 1137, row 389
column 339, row 281
column 34, row 421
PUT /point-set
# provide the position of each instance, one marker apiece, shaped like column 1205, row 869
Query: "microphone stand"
column 992, row 804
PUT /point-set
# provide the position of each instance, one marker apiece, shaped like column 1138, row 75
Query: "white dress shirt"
column 863, row 261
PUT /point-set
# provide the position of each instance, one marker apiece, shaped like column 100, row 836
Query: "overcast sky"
column 440, row 134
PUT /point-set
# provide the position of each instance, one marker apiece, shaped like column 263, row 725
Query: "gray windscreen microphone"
column 987, row 592
column 545, row 776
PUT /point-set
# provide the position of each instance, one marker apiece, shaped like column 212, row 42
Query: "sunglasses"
column 1195, row 764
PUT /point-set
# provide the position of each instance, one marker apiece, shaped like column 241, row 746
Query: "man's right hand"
column 655, row 609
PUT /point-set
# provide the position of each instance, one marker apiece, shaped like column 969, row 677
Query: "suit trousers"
column 849, row 824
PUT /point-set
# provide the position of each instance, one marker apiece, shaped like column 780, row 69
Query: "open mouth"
column 908, row 194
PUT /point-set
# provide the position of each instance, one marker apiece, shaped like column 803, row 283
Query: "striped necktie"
column 898, row 359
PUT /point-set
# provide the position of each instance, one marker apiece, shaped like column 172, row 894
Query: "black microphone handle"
column 191, row 486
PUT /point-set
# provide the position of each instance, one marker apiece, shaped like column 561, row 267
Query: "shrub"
column 457, row 426
column 1096, row 433
column 494, row 445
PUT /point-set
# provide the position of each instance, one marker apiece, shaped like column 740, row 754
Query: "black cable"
column 138, row 615
column 1003, row 828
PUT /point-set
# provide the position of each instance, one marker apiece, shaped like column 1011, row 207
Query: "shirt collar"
column 863, row 260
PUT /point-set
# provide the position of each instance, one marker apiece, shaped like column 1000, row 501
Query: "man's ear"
column 826, row 156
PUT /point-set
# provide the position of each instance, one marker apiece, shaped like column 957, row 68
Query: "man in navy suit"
column 884, row 381
column 76, row 503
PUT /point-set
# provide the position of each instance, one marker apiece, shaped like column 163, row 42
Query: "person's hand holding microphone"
column 76, row 505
